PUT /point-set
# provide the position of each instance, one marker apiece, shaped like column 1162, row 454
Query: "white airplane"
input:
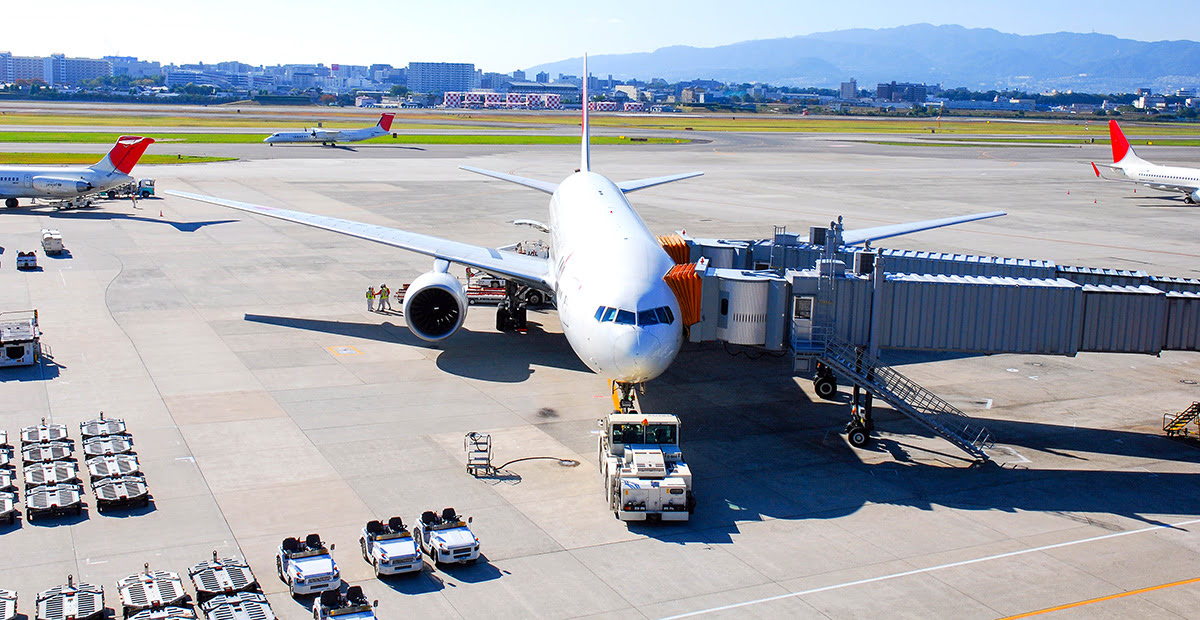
column 68, row 182
column 1140, row 171
column 332, row 136
column 604, row 271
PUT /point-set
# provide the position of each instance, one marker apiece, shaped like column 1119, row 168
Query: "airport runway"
column 266, row 402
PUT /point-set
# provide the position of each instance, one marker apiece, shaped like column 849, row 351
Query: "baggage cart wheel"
column 826, row 387
column 858, row 437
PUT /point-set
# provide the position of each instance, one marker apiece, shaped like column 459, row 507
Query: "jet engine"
column 1194, row 197
column 60, row 186
column 435, row 305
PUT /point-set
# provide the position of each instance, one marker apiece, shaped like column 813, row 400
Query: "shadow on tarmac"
column 786, row 458
column 466, row 354
column 107, row 215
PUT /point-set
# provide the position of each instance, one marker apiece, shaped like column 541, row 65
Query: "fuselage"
column 1162, row 177
column 326, row 136
column 56, row 181
column 617, row 312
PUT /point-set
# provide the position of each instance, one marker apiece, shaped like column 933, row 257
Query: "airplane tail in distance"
column 385, row 121
column 123, row 155
column 1120, row 145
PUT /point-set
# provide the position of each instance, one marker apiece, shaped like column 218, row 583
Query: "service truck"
column 645, row 476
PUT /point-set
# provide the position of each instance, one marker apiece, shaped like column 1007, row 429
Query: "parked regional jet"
column 332, row 136
column 1138, row 170
column 604, row 271
column 68, row 182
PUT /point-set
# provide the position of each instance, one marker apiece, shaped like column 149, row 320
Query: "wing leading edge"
column 862, row 235
column 529, row 269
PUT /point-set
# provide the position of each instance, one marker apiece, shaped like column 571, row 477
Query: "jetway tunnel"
column 835, row 307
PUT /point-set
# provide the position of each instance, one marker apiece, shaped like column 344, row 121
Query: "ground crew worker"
column 384, row 294
column 370, row 299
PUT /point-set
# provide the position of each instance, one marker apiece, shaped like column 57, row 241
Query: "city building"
column 904, row 91
column 134, row 68
column 849, row 90
column 518, row 76
column 55, row 69
column 441, row 77
column 542, row 78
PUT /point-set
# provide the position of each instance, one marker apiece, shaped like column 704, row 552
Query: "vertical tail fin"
column 385, row 121
column 585, row 157
column 123, row 155
column 1120, row 145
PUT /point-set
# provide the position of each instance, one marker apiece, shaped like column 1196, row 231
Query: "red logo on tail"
column 385, row 121
column 1120, row 146
column 127, row 151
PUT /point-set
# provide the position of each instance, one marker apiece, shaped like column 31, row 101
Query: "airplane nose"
column 636, row 354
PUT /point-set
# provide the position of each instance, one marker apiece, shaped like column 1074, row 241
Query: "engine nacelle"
column 435, row 305
column 60, row 186
column 1195, row 196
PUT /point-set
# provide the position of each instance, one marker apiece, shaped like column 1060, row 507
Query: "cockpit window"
column 625, row 317
column 600, row 312
column 665, row 315
column 609, row 314
column 647, row 317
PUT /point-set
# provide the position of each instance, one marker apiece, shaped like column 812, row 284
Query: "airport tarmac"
column 267, row 402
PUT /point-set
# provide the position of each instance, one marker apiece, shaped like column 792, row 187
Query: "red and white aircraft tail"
column 123, row 156
column 385, row 121
column 1122, row 153
column 1137, row 170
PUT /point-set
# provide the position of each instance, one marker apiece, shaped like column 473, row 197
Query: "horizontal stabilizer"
column 633, row 186
column 855, row 237
column 541, row 186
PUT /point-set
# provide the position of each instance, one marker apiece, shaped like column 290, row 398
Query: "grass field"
column 276, row 123
column 952, row 144
column 1074, row 141
column 91, row 158
column 79, row 137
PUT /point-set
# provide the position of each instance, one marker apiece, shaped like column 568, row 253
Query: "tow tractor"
column 447, row 538
column 390, row 548
column 142, row 188
column 352, row 606
column 306, row 566
column 645, row 476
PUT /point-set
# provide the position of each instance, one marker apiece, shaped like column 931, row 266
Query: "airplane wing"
column 862, row 235
column 541, row 186
column 528, row 269
column 633, row 186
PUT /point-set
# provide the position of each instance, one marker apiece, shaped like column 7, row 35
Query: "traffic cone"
column 160, row 213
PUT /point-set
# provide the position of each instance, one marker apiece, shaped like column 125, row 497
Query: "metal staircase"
column 1177, row 423
column 909, row 398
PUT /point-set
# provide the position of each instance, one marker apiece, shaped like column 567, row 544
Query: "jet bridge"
column 836, row 306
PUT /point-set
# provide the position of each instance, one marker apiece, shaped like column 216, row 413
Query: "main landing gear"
column 511, row 314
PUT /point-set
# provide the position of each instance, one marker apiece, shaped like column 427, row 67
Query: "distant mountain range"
column 976, row 58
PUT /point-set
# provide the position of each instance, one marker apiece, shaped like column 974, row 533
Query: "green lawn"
column 91, row 158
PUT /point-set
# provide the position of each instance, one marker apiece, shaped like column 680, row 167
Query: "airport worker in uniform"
column 370, row 299
column 384, row 294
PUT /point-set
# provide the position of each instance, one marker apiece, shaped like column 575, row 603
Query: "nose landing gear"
column 624, row 396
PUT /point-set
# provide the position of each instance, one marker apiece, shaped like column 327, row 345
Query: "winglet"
column 1120, row 145
column 123, row 155
column 385, row 121
column 585, row 157
column 1097, row 170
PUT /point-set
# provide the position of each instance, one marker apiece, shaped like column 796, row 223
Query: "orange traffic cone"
column 160, row 213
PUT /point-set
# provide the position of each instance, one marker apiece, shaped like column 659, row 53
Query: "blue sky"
column 505, row 35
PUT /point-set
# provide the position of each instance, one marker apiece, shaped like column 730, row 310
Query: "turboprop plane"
column 331, row 137
column 605, row 270
column 66, row 183
column 1137, row 170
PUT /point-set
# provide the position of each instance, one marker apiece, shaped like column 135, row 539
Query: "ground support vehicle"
column 240, row 606
column 113, row 466
column 121, row 493
column 27, row 260
column 43, row 433
column 222, row 577
column 102, row 427
column 20, row 338
column 390, row 548
column 46, row 452
column 104, row 446
column 152, row 590
column 447, row 538
column 53, row 501
column 8, row 605
column 142, row 188
column 8, row 511
column 71, row 602
column 50, row 474
column 52, row 242
column 164, row 613
column 307, row 566
column 645, row 475
column 8, row 480
column 352, row 606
